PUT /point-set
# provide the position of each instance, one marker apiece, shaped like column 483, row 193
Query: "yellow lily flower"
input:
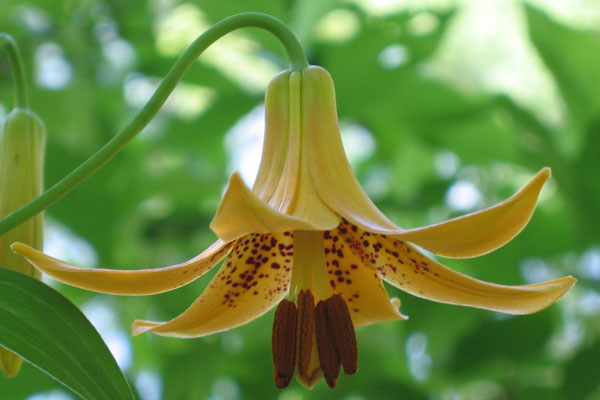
column 307, row 230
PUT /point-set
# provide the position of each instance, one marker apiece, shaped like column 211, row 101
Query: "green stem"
column 117, row 143
column 16, row 65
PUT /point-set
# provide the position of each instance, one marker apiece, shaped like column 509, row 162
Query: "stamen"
column 328, row 356
column 283, row 343
column 343, row 333
column 305, row 332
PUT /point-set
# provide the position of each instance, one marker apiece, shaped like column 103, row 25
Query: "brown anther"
column 342, row 330
column 319, row 340
column 328, row 356
column 283, row 343
column 305, row 331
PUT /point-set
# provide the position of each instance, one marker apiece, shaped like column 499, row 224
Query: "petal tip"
column 546, row 172
column 565, row 283
column 19, row 248
column 236, row 181
column 558, row 287
column 139, row 326
column 570, row 281
column 540, row 179
column 396, row 304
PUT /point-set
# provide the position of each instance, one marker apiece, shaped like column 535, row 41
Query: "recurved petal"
column 468, row 236
column 241, row 212
column 408, row 269
column 360, row 287
column 126, row 282
column 254, row 278
column 482, row 231
column 330, row 171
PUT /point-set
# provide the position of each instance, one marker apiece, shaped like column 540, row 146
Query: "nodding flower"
column 308, row 240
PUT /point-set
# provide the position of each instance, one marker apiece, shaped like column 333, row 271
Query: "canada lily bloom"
column 307, row 230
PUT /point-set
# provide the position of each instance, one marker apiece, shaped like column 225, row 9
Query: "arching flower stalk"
column 307, row 232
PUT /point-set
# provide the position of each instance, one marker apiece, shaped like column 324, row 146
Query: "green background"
column 436, row 99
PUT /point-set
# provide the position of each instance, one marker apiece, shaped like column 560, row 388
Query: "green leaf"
column 47, row 330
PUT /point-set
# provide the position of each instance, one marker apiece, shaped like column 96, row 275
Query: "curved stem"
column 16, row 65
column 117, row 143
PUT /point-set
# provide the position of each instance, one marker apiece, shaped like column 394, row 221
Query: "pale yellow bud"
column 22, row 145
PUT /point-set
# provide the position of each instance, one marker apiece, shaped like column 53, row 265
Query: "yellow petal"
column 241, row 212
column 126, row 282
column 283, row 196
column 405, row 267
column 274, row 155
column 482, row 231
column 472, row 235
column 358, row 284
column 329, row 169
column 254, row 278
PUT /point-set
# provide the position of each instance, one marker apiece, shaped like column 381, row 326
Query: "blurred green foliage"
column 151, row 205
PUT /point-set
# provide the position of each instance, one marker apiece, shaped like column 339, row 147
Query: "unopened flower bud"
column 22, row 145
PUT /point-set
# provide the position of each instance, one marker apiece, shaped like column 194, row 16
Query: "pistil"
column 308, row 366
column 308, row 270
column 305, row 330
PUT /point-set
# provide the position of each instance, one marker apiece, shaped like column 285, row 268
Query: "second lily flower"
column 308, row 232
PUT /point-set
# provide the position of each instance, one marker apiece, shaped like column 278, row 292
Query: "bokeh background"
column 445, row 106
